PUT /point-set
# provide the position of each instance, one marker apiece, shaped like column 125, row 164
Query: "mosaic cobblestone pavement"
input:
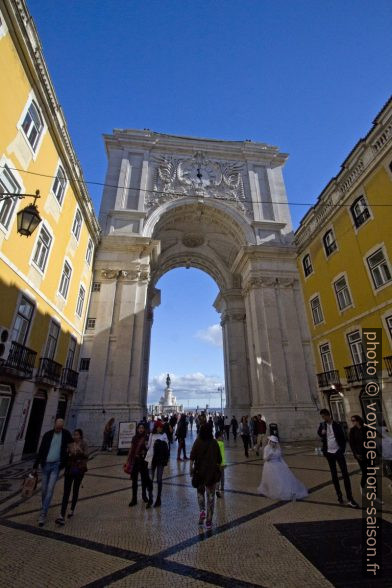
column 107, row 543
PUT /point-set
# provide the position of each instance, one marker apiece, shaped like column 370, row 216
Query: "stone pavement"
column 108, row 544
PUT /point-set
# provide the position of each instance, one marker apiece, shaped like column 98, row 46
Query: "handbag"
column 29, row 485
column 127, row 467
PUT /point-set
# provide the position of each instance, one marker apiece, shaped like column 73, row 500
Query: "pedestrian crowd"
column 150, row 448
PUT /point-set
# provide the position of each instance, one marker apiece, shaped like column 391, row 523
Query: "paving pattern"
column 107, row 543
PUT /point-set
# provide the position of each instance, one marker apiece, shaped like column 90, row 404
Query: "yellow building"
column 344, row 259
column 45, row 280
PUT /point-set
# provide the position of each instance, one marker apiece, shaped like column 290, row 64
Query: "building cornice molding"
column 262, row 253
column 26, row 39
column 358, row 165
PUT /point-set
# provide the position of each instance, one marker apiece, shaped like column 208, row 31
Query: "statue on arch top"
column 168, row 381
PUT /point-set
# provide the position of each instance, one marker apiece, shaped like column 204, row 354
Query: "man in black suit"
column 334, row 445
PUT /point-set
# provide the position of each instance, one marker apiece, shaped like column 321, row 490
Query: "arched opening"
column 186, row 342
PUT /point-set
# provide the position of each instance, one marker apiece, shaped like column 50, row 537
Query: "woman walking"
column 157, row 456
column 205, row 471
column 181, row 431
column 138, row 465
column 245, row 434
column 108, row 435
column 75, row 469
column 278, row 482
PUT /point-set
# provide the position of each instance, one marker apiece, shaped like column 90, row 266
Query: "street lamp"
column 28, row 218
column 220, row 389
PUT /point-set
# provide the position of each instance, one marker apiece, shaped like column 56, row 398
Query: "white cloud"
column 190, row 386
column 212, row 335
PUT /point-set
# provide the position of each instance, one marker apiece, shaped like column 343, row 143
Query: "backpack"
column 161, row 453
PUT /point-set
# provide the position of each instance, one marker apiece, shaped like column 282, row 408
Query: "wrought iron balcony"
column 49, row 370
column 20, row 361
column 356, row 372
column 326, row 379
column 388, row 363
column 69, row 378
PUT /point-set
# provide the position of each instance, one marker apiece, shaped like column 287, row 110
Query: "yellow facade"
column 49, row 268
column 351, row 270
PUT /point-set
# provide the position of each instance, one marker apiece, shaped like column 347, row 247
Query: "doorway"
column 35, row 423
column 62, row 407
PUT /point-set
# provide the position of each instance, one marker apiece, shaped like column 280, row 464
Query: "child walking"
column 221, row 483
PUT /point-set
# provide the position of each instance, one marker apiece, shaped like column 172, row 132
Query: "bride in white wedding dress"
column 277, row 481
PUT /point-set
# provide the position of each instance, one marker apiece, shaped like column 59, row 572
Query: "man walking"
column 334, row 445
column 52, row 456
column 259, row 432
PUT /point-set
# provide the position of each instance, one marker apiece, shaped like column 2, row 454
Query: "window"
column 80, row 302
column 89, row 252
column 329, row 242
column 360, row 211
column 326, row 357
column 65, row 279
column 7, row 207
column 22, row 321
column 84, row 364
column 96, row 286
column 33, row 125
column 356, row 349
column 51, row 344
column 71, row 353
column 388, row 320
column 5, row 405
column 59, row 185
column 307, row 265
column 379, row 268
column 77, row 224
column 91, row 323
column 316, row 310
column 342, row 293
column 42, row 249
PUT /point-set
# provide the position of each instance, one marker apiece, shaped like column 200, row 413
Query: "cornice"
column 26, row 40
column 358, row 165
column 142, row 245
column 261, row 252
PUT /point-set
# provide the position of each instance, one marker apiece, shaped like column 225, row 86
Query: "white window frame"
column 49, row 338
column 72, row 347
column 324, row 354
column 357, row 198
column 10, row 184
column 28, row 321
column 355, row 347
column 312, row 308
column 79, row 309
column 57, row 182
column 35, row 150
column 96, row 287
column 328, row 232
column 91, row 322
column 86, row 366
column 62, row 294
column 44, row 226
column 338, row 294
column 79, row 227
column 3, row 31
column 370, row 270
column 307, row 255
column 89, row 251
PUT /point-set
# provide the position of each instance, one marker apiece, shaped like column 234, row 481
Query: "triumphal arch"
column 219, row 206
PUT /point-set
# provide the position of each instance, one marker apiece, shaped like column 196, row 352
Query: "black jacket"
column 357, row 438
column 45, row 446
column 339, row 436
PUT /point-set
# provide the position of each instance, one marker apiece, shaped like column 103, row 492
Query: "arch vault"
column 219, row 206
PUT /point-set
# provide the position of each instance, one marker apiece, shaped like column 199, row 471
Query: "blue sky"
column 307, row 75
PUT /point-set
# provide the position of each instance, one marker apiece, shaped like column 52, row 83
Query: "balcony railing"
column 356, row 372
column 69, row 378
column 49, row 370
column 20, row 361
column 326, row 379
column 388, row 363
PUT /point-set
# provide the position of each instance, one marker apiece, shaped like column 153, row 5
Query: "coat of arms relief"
column 196, row 176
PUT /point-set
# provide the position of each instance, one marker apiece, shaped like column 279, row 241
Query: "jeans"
column 159, row 470
column 259, row 442
column 246, row 441
column 70, row 480
column 338, row 458
column 181, row 447
column 221, row 483
column 50, row 473
column 201, row 499
column 141, row 467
